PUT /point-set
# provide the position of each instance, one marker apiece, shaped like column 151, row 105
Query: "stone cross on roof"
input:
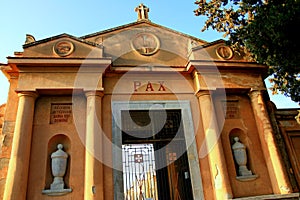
column 142, row 11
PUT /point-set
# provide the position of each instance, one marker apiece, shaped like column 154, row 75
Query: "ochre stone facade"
column 80, row 93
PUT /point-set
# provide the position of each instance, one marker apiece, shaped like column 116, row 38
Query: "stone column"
column 17, row 175
column 93, row 184
column 212, row 147
column 278, row 175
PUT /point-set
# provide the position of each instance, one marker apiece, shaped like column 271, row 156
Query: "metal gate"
column 150, row 173
column 139, row 173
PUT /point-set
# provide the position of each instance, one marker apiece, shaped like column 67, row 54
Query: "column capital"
column 32, row 94
column 200, row 93
column 256, row 95
column 255, row 91
column 89, row 93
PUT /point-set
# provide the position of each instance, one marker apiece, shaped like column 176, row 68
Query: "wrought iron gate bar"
column 139, row 172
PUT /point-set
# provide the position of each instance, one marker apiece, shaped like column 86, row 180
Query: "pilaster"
column 212, row 147
column 278, row 176
column 94, row 185
column 17, row 176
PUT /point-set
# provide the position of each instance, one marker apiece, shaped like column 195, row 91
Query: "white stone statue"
column 240, row 156
column 58, row 168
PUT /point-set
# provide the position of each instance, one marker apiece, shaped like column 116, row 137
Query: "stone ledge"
column 246, row 178
column 272, row 196
column 56, row 192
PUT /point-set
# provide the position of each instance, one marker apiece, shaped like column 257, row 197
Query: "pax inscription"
column 149, row 86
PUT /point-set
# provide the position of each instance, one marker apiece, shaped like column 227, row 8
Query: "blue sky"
column 48, row 18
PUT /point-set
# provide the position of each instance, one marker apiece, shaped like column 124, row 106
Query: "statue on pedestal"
column 58, row 169
column 240, row 157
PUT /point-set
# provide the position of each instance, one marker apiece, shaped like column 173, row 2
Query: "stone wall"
column 287, row 134
column 290, row 133
column 3, row 159
column 2, row 110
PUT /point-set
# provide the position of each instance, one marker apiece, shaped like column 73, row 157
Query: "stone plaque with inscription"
column 61, row 113
column 232, row 109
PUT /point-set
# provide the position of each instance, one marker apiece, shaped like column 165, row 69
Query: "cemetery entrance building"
column 142, row 112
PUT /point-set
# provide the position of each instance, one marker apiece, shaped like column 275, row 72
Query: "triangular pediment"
column 218, row 55
column 62, row 46
column 138, row 24
column 216, row 51
column 141, row 43
column 144, row 42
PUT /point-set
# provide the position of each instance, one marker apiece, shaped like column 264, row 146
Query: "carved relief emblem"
column 145, row 43
column 63, row 48
column 224, row 52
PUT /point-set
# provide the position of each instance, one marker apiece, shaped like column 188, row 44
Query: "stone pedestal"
column 58, row 168
column 240, row 157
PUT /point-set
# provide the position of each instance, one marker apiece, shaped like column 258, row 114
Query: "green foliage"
column 267, row 30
